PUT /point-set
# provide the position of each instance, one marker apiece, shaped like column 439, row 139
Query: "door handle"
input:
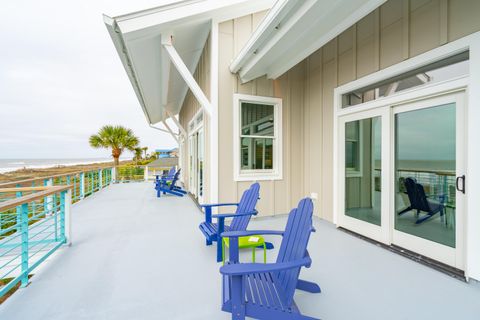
column 462, row 189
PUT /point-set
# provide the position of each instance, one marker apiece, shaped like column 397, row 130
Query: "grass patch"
column 4, row 282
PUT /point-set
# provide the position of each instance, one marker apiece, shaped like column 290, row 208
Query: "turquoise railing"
column 83, row 183
column 34, row 217
column 34, row 223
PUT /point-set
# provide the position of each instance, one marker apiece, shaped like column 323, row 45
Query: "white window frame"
column 469, row 83
column 259, row 174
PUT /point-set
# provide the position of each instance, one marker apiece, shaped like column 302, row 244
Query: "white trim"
column 186, row 75
column 254, row 175
column 170, row 130
column 471, row 85
column 277, row 70
column 177, row 123
column 213, row 124
column 274, row 34
column 160, row 129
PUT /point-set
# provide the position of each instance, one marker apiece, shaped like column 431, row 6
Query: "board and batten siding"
column 398, row 30
column 189, row 109
column 276, row 196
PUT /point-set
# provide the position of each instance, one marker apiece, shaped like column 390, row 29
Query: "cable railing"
column 83, row 183
column 137, row 173
column 34, row 219
column 34, row 223
column 434, row 182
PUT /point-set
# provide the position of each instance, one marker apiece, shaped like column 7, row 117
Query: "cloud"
column 61, row 79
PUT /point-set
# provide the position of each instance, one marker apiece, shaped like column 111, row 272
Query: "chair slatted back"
column 416, row 195
column 171, row 172
column 294, row 246
column 247, row 203
column 175, row 179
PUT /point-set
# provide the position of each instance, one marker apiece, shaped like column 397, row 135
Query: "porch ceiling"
column 138, row 40
column 293, row 30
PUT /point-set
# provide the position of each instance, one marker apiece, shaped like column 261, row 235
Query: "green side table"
column 247, row 242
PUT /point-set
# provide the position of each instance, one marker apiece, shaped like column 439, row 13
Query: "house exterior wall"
column 189, row 109
column 398, row 30
column 276, row 196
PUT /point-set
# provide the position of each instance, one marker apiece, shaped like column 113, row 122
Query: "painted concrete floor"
column 138, row 257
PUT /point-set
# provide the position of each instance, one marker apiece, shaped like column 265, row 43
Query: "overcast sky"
column 61, row 79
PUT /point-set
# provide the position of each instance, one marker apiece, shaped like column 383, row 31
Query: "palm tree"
column 117, row 138
column 138, row 154
column 145, row 151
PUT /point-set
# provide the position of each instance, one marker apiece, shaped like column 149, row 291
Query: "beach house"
column 367, row 106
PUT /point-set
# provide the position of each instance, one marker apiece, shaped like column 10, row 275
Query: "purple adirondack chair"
column 265, row 291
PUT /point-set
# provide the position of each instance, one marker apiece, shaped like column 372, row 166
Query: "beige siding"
column 398, row 30
column 189, row 108
column 276, row 196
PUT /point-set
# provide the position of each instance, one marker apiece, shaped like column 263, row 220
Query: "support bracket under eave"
column 174, row 135
column 187, row 76
column 177, row 123
column 171, row 131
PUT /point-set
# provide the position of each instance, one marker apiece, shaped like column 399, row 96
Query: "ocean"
column 7, row 165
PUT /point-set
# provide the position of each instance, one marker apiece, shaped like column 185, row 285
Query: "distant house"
column 167, row 153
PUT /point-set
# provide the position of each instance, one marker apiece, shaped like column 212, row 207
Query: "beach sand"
column 24, row 174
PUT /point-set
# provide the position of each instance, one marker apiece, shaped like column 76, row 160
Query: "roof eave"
column 122, row 51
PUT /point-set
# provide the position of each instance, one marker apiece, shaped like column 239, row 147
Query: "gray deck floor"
column 138, row 257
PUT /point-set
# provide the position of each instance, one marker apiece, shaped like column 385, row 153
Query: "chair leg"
column 209, row 242
column 264, row 253
column 308, row 286
column 219, row 249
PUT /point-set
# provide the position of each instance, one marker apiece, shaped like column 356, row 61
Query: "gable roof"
column 138, row 37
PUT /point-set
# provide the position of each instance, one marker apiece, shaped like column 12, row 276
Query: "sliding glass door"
column 428, row 177
column 401, row 176
column 363, row 186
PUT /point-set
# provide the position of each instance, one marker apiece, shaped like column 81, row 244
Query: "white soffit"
column 138, row 40
column 293, row 30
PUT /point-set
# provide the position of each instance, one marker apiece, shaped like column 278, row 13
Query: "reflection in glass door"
column 425, row 165
column 429, row 161
column 363, row 201
column 363, row 170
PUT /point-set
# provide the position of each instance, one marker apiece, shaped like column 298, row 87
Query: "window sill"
column 257, row 177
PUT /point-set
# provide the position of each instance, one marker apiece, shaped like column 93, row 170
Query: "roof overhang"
column 138, row 40
column 293, row 30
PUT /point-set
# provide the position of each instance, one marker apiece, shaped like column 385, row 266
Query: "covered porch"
column 135, row 256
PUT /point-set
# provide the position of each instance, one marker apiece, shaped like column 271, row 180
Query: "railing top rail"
column 438, row 172
column 20, row 182
column 13, row 203
column 23, row 189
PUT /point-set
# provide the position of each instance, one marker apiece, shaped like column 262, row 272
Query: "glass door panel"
column 425, row 173
column 363, row 149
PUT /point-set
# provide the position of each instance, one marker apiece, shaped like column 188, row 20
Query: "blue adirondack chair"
column 168, row 177
column 420, row 202
column 265, row 291
column 245, row 209
column 162, row 186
